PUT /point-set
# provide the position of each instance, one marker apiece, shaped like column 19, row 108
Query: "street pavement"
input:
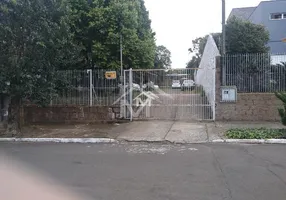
column 140, row 171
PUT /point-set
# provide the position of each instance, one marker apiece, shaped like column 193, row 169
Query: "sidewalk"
column 183, row 132
column 166, row 131
column 141, row 131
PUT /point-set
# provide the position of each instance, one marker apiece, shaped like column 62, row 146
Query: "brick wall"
column 249, row 106
column 67, row 114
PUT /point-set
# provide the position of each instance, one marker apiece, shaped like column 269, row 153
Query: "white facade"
column 205, row 75
column 278, row 59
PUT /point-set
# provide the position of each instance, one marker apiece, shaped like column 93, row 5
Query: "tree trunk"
column 14, row 127
column 4, row 107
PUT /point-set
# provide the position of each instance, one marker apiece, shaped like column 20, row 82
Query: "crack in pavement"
column 222, row 172
column 164, row 138
column 207, row 132
column 267, row 162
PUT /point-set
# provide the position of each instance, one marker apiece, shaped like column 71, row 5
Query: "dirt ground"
column 68, row 131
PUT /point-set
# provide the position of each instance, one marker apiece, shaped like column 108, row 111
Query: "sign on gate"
column 110, row 75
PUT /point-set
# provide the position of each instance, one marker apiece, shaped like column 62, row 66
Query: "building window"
column 276, row 16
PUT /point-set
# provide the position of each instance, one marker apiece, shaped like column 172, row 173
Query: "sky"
column 178, row 22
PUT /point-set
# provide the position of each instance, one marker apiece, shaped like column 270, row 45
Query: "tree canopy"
column 162, row 58
column 198, row 46
column 241, row 37
column 245, row 37
column 40, row 37
column 35, row 42
column 98, row 25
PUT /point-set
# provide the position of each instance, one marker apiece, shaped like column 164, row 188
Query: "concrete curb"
column 60, row 140
column 108, row 140
column 275, row 141
column 251, row 141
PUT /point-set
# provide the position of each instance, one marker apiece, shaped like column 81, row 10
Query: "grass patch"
column 260, row 133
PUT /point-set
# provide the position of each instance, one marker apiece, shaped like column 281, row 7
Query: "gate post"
column 89, row 71
column 131, row 94
column 214, row 91
column 121, row 93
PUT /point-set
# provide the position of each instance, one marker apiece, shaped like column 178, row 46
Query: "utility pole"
column 223, row 51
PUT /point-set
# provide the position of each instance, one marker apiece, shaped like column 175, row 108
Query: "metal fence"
column 170, row 94
column 254, row 73
column 86, row 87
column 145, row 94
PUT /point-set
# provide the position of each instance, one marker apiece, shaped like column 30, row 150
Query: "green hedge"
column 261, row 133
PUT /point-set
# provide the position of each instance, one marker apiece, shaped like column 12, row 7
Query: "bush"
column 261, row 133
column 282, row 111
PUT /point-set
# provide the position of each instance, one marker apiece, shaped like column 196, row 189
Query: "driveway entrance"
column 170, row 94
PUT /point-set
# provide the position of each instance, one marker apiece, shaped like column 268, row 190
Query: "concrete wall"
column 249, row 106
column 67, row 114
column 205, row 75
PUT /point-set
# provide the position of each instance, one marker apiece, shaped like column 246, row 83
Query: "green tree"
column 278, row 76
column 98, row 25
column 282, row 111
column 198, row 46
column 162, row 58
column 248, row 56
column 245, row 37
column 241, row 37
column 194, row 62
column 35, row 43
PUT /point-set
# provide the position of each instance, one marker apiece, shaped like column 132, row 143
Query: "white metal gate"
column 173, row 94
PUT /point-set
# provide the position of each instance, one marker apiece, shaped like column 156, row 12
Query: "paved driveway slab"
column 149, row 131
column 184, row 132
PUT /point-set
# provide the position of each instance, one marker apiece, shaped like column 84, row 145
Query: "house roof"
column 242, row 13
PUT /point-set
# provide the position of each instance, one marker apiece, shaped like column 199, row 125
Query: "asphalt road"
column 160, row 172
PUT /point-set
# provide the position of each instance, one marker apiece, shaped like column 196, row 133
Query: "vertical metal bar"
column 105, row 91
column 281, row 72
column 246, row 79
column 131, row 94
column 265, row 73
column 121, row 55
column 123, row 103
column 224, row 66
column 90, row 88
column 122, row 76
column 81, row 92
column 258, row 80
column 214, row 90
